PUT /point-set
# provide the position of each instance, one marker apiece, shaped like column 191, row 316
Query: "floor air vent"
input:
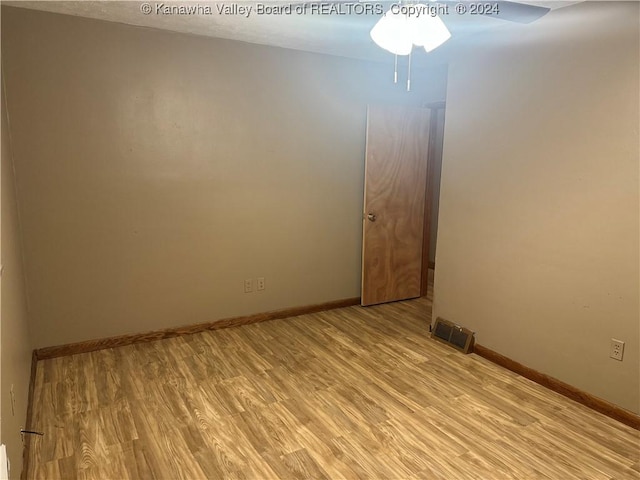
column 454, row 335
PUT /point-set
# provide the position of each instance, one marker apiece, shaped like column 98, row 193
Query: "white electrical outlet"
column 260, row 283
column 248, row 286
column 617, row 349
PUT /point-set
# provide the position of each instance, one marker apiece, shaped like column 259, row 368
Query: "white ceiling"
column 343, row 35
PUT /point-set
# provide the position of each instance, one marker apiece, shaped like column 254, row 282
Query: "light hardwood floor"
column 349, row 393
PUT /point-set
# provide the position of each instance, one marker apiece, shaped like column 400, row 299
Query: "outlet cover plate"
column 616, row 350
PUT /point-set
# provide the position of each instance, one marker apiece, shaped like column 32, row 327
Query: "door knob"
column 371, row 217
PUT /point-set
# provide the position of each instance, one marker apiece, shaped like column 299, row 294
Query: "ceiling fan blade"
column 504, row 10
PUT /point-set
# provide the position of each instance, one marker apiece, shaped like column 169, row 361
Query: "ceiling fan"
column 408, row 23
column 421, row 20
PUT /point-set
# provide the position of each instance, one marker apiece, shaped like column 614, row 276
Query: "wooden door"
column 394, row 203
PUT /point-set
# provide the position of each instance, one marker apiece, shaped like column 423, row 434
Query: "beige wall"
column 156, row 171
column 538, row 229
column 15, row 344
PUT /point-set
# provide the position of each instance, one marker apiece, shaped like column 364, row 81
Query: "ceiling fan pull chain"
column 409, row 74
column 395, row 70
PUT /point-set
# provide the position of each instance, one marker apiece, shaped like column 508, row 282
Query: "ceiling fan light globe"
column 429, row 32
column 392, row 33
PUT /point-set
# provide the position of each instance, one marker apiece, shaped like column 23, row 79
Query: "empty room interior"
column 320, row 240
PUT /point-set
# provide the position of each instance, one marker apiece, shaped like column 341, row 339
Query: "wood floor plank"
column 303, row 465
column 365, row 465
column 608, row 462
column 345, row 394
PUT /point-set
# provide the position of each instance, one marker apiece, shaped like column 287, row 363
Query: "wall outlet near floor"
column 260, row 283
column 248, row 285
column 617, row 349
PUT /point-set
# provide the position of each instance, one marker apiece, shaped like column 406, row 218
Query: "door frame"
column 429, row 190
